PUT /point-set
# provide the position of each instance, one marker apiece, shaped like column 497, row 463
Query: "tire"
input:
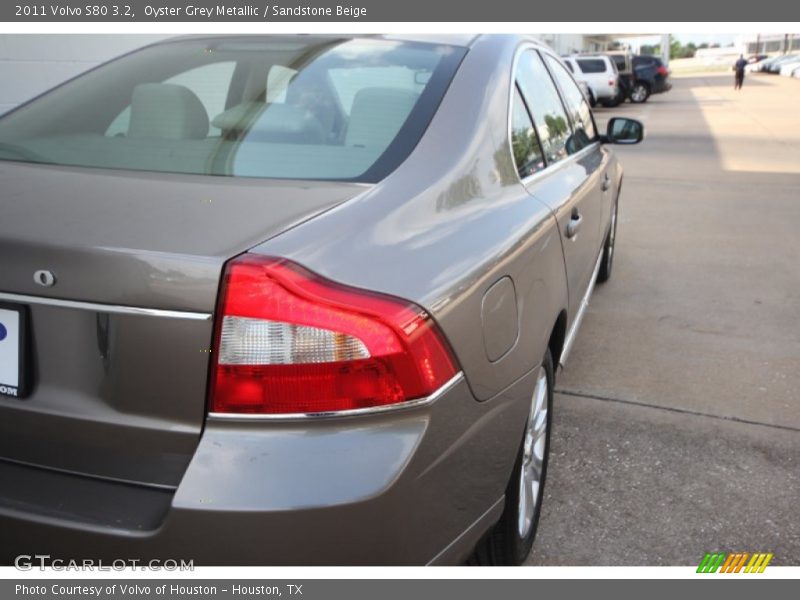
column 607, row 262
column 511, row 539
column 640, row 92
column 592, row 99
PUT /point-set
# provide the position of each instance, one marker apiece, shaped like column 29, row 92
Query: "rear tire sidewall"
column 505, row 546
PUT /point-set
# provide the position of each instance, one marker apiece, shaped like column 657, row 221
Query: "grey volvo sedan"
column 295, row 299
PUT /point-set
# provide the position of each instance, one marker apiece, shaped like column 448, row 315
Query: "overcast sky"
column 723, row 39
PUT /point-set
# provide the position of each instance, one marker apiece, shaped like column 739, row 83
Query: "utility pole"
column 665, row 49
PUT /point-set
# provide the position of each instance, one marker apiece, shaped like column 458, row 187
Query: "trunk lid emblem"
column 45, row 278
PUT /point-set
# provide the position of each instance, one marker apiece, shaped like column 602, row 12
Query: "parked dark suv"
column 640, row 76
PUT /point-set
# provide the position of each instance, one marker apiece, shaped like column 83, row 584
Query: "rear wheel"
column 511, row 540
column 640, row 92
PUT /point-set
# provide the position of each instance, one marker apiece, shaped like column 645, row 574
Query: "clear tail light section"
column 289, row 341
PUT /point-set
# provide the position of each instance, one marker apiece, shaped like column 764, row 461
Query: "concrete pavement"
column 677, row 423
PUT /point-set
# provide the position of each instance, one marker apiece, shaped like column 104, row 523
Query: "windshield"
column 296, row 107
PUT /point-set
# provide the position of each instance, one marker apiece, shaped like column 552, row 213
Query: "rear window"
column 640, row 61
column 592, row 65
column 280, row 107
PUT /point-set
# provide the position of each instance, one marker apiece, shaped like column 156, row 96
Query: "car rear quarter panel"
column 448, row 224
column 441, row 231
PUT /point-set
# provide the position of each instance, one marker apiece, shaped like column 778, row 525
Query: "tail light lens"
column 612, row 82
column 662, row 70
column 289, row 341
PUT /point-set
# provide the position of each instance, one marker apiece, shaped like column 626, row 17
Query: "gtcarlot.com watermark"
column 29, row 562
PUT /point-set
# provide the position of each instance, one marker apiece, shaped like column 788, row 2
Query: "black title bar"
column 209, row 11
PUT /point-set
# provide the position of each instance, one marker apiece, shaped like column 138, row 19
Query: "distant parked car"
column 640, row 76
column 762, row 65
column 624, row 63
column 600, row 74
column 774, row 66
column 587, row 93
column 650, row 77
column 788, row 67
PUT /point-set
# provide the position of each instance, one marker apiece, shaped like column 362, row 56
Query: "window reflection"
column 548, row 113
column 576, row 104
column 524, row 142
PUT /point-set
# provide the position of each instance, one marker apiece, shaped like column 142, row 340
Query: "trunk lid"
column 119, row 393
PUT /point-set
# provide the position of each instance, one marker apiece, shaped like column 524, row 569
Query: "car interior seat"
column 377, row 115
column 167, row 111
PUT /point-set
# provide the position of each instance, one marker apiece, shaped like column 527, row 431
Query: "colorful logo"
column 734, row 562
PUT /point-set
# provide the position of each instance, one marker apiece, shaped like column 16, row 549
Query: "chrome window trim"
column 356, row 412
column 106, row 308
column 550, row 168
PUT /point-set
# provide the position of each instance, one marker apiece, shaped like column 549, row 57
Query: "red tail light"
column 612, row 82
column 662, row 70
column 289, row 341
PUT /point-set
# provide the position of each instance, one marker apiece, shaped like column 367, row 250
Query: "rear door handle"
column 574, row 224
column 606, row 183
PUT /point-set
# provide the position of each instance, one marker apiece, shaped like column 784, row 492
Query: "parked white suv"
column 600, row 74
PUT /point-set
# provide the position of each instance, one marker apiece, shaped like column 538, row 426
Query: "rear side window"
column 524, row 142
column 297, row 107
column 544, row 103
column 645, row 61
column 591, row 65
column 584, row 131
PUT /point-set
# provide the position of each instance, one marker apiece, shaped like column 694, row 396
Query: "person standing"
column 739, row 68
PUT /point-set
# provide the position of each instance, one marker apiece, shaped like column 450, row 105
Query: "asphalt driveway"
column 677, row 420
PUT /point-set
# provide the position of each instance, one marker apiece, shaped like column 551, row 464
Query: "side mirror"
column 621, row 130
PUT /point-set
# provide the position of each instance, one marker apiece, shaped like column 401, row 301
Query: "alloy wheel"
column 639, row 93
column 533, row 455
